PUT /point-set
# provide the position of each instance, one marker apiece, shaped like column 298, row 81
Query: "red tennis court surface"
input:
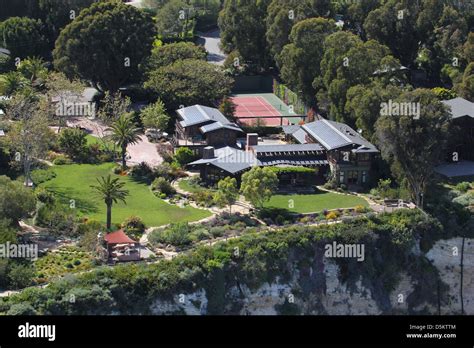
column 248, row 109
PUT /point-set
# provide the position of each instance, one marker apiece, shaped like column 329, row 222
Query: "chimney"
column 208, row 152
column 252, row 140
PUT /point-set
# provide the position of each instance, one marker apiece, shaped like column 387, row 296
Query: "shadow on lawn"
column 65, row 196
column 314, row 191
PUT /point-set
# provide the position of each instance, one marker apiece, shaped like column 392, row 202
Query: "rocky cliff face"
column 316, row 288
column 446, row 256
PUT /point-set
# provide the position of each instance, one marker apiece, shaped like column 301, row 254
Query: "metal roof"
column 218, row 125
column 289, row 161
column 234, row 160
column 333, row 135
column 288, row 148
column 300, row 136
column 291, row 129
column 460, row 107
column 197, row 114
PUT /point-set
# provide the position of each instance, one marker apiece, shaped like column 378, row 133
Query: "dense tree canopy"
column 394, row 25
column 299, row 61
column 57, row 14
column 170, row 53
column 466, row 86
column 23, row 37
column 154, row 116
column 284, row 14
column 188, row 82
column 16, row 201
column 242, row 24
column 105, row 44
column 349, row 62
column 415, row 144
column 18, row 8
column 363, row 105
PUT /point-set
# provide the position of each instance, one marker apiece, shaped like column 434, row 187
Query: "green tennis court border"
column 274, row 101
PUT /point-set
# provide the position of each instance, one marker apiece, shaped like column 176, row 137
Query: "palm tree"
column 125, row 132
column 111, row 191
column 33, row 68
column 11, row 82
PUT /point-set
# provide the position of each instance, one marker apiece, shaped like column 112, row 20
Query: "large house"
column 200, row 126
column 330, row 148
column 462, row 113
column 348, row 153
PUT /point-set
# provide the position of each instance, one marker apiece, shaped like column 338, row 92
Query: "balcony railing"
column 176, row 141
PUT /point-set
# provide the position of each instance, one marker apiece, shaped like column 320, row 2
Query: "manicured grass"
column 309, row 203
column 73, row 182
column 95, row 140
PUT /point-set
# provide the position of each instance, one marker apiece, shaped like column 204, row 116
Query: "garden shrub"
column 161, row 185
column 164, row 170
column 360, row 209
column 73, row 142
column 183, row 156
column 20, row 275
column 217, row 231
column 62, row 160
column 201, row 234
column 463, row 186
column 203, row 198
column 60, row 220
column 142, row 171
column 23, row 308
column 332, row 215
column 133, row 227
column 118, row 170
column 44, row 196
column 40, row 176
column 465, row 200
column 176, row 234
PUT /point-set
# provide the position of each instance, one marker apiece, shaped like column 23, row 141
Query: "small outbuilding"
column 121, row 247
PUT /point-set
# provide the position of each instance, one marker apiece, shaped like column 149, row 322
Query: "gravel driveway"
column 143, row 151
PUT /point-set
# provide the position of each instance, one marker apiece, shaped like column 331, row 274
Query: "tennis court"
column 263, row 108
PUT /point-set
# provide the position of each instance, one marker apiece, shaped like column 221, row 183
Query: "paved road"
column 211, row 40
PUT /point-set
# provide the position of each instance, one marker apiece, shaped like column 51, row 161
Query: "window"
column 341, row 177
column 364, row 177
column 352, row 177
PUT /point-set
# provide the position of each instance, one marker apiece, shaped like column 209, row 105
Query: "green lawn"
column 309, row 203
column 95, row 140
column 73, row 182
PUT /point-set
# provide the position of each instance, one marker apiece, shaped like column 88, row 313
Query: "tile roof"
column 118, row 237
column 460, row 107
